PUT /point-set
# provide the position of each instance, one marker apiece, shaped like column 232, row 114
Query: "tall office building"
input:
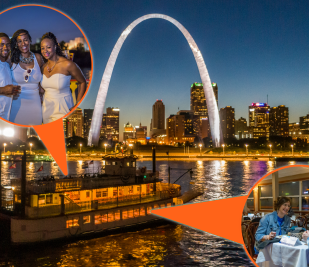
column 241, row 128
column 181, row 128
column 227, row 121
column 199, row 106
column 87, row 121
column 128, row 131
column 140, row 131
column 75, row 124
column 110, row 125
column 304, row 123
column 259, row 120
column 157, row 126
column 279, row 121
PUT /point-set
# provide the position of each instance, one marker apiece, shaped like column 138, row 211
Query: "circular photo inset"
column 45, row 65
column 276, row 216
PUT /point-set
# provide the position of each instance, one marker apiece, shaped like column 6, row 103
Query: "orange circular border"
column 90, row 79
column 262, row 178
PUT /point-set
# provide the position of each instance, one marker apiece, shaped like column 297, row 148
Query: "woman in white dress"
column 57, row 73
column 26, row 72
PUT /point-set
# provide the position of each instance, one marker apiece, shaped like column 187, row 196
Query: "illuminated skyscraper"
column 259, row 120
column 157, row 126
column 227, row 121
column 87, row 121
column 199, row 106
column 75, row 124
column 110, row 125
column 241, row 128
column 279, row 121
column 128, row 131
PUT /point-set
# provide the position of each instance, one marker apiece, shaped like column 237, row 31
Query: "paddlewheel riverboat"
column 54, row 208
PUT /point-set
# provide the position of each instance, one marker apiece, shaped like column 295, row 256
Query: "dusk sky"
column 251, row 49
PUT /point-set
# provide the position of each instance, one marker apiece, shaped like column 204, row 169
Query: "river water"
column 165, row 245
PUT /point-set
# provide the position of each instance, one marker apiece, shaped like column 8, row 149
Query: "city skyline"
column 250, row 49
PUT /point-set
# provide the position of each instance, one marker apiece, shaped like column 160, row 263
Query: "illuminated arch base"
column 94, row 133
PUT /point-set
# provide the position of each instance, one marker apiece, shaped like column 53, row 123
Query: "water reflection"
column 169, row 245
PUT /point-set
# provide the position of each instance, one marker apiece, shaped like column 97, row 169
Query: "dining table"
column 278, row 254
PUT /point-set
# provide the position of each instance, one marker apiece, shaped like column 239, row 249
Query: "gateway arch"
column 213, row 114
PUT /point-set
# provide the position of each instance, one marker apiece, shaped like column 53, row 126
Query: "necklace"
column 50, row 69
column 27, row 60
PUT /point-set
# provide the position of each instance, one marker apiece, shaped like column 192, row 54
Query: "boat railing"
column 59, row 185
column 103, row 204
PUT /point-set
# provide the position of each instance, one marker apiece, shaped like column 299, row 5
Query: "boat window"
column 124, row 214
column 41, row 199
column 86, row 219
column 49, row 199
column 168, row 204
column 142, row 211
column 113, row 163
column 162, row 206
column 104, row 218
column 133, row 163
column 128, row 164
column 72, row 223
column 149, row 209
column 87, row 194
column 155, row 206
column 130, row 213
column 117, row 215
column 98, row 219
column 98, row 194
column 115, row 191
column 136, row 212
column 111, row 217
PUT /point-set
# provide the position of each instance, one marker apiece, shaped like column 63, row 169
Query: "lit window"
column 124, row 214
column 86, row 219
column 72, row 223
column 104, row 218
column 142, row 211
column 117, row 215
column 130, row 213
column 136, row 212
column 162, row 206
column 98, row 219
column 111, row 217
column 149, row 208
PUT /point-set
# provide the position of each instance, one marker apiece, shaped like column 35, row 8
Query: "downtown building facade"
column 110, row 125
column 227, row 122
column 279, row 121
column 198, row 106
column 181, row 128
column 87, row 121
column 75, row 124
column 157, row 125
column 259, row 120
column 241, row 128
column 300, row 130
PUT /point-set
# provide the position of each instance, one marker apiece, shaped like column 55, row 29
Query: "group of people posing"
column 35, row 89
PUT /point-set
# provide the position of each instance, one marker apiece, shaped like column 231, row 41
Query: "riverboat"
column 58, row 208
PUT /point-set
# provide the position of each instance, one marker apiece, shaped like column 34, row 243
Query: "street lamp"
column 30, row 147
column 246, row 149
column 223, row 149
column 270, row 151
column 80, row 149
column 4, row 145
column 105, row 145
column 292, row 146
column 200, row 149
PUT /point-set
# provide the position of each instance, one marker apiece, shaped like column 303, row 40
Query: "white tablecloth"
column 278, row 254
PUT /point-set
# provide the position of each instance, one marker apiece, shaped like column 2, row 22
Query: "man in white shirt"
column 7, row 89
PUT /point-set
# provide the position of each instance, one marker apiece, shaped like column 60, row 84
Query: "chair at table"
column 300, row 221
column 244, row 227
column 251, row 238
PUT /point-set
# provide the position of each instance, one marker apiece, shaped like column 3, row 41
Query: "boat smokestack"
column 153, row 159
column 23, row 184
